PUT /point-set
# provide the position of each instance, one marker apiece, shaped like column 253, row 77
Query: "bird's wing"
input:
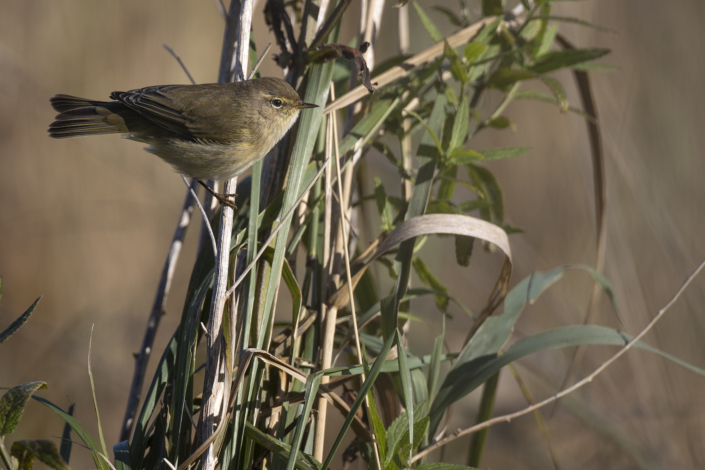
column 157, row 104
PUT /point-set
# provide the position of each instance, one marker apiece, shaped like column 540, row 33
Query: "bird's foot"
column 224, row 199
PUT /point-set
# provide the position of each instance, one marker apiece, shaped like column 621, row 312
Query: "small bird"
column 212, row 131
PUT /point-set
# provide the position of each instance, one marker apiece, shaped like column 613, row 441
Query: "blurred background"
column 87, row 222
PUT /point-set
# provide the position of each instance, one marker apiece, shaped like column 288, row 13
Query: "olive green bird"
column 212, row 131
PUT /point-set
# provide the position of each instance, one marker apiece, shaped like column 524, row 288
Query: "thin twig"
column 220, row 8
column 577, row 385
column 192, row 191
column 158, row 307
column 178, row 59
column 259, row 61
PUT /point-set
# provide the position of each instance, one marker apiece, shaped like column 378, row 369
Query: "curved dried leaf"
column 429, row 224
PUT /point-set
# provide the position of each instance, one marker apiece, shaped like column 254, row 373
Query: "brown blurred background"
column 87, row 222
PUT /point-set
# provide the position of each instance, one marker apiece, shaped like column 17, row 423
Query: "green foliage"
column 423, row 120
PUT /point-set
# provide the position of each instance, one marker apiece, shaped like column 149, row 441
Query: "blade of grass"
column 95, row 401
column 362, row 393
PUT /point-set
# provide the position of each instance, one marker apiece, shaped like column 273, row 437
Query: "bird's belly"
column 207, row 160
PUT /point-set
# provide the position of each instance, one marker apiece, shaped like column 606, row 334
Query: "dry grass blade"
column 403, row 69
column 429, row 224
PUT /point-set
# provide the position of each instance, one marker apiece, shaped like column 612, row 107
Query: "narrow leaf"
column 99, row 460
column 460, row 125
column 499, row 153
column 473, row 50
column 565, row 58
column 15, row 325
column 95, row 401
column 366, row 386
column 430, row 280
column 456, row 67
column 406, row 387
column 312, row 383
column 66, row 442
column 428, row 24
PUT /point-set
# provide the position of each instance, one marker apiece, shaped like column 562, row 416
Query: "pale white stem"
column 217, row 375
column 329, row 315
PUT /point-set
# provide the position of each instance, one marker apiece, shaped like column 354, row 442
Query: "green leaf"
column 408, row 394
column 100, row 461
column 495, row 331
column 473, row 50
column 95, row 401
column 366, row 386
column 463, row 250
column 312, row 383
column 377, row 425
column 460, row 125
column 484, row 413
column 504, row 78
column 451, row 97
column 508, row 152
column 383, row 206
column 121, row 450
column 17, row 324
column 430, row 280
column 434, row 369
column 565, row 58
column 500, row 122
column 456, row 66
column 430, row 131
column 491, row 192
column 557, row 90
column 368, row 125
column 41, row 449
column 405, row 450
column 428, row 24
column 568, row 19
column 462, row 157
column 547, row 40
column 12, row 405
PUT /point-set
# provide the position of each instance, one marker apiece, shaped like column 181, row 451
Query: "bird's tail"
column 79, row 116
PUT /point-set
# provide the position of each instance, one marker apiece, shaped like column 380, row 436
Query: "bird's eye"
column 277, row 103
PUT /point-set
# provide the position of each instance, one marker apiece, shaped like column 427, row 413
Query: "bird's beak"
column 305, row 105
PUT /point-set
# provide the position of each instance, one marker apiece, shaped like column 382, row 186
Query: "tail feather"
column 80, row 116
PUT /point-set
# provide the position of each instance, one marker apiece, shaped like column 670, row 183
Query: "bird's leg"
column 222, row 198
